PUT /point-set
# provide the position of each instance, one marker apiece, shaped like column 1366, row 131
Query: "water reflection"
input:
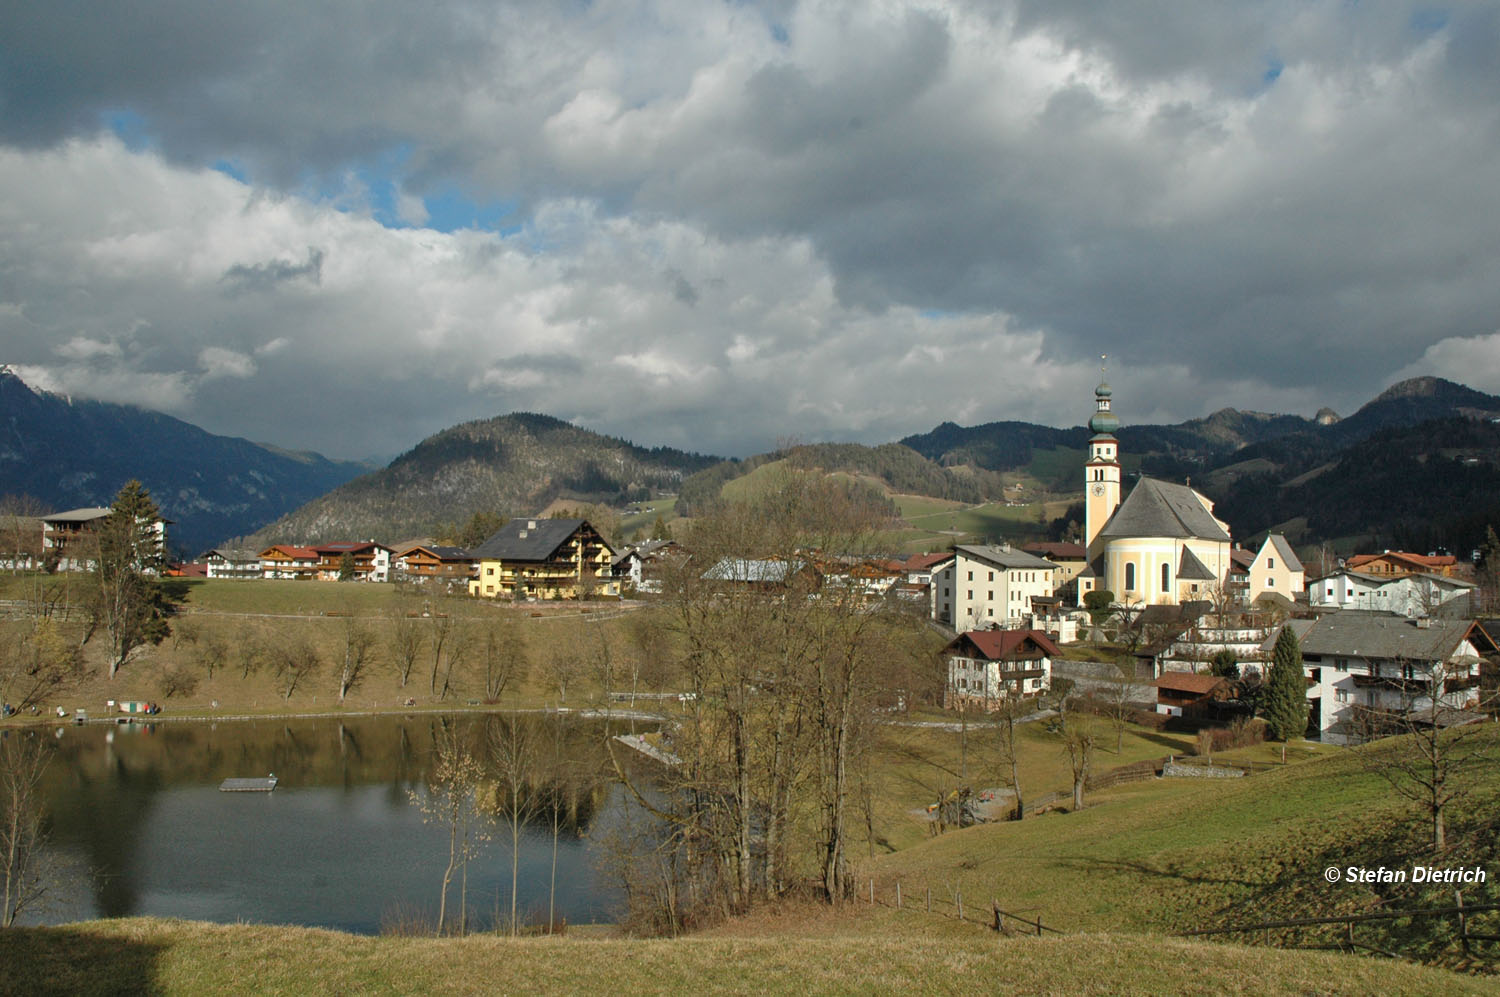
column 140, row 827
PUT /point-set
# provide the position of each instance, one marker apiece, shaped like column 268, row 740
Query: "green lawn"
column 1176, row 854
column 142, row 955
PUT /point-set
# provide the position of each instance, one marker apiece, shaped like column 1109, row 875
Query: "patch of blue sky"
column 449, row 210
column 1274, row 66
column 231, row 168
column 129, row 127
column 1428, row 20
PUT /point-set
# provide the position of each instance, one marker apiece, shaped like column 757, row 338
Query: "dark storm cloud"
column 264, row 276
column 1273, row 204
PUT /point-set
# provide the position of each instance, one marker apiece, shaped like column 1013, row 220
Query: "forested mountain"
column 69, row 454
column 512, row 465
column 898, row 467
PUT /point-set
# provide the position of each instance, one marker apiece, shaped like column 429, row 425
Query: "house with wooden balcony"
column 370, row 561
column 433, row 564
column 544, row 559
column 70, row 539
column 987, row 668
column 289, row 562
column 224, row 562
column 1362, row 664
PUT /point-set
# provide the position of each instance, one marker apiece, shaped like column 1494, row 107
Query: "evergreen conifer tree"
column 1284, row 704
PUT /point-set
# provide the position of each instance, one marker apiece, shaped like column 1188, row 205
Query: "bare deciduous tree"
column 359, row 655
column 504, row 651
column 452, row 800
column 23, row 758
column 294, row 660
column 1428, row 752
column 513, row 750
column 406, row 640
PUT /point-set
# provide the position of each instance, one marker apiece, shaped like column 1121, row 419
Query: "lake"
column 138, row 825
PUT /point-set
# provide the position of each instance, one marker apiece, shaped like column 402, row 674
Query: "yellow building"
column 543, row 559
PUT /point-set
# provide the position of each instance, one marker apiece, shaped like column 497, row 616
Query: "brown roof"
column 1000, row 644
column 292, row 551
column 1060, row 549
column 921, row 562
column 1422, row 561
column 1199, row 685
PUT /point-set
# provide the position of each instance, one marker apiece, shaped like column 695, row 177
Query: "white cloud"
column 216, row 362
column 83, row 349
column 735, row 222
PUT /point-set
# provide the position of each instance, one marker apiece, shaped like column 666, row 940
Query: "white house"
column 1408, row 595
column 1362, row 663
column 225, row 563
column 986, row 668
column 992, row 586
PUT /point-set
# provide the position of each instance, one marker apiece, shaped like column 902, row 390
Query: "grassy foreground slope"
column 177, row 957
column 1178, row 854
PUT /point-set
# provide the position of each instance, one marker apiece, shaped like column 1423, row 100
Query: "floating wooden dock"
column 262, row 784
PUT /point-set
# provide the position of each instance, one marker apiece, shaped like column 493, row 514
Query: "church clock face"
column 1098, row 489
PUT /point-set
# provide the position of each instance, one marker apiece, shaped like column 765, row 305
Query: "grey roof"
column 1383, row 635
column 1193, row 569
column 528, row 540
column 1384, row 580
column 747, row 569
column 1004, row 557
column 1284, row 551
column 77, row 515
column 229, row 554
column 1161, row 509
column 1299, row 630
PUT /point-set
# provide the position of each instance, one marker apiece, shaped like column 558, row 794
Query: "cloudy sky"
column 347, row 225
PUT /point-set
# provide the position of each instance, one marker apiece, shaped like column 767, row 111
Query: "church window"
column 1129, row 576
column 1165, row 577
column 1270, row 564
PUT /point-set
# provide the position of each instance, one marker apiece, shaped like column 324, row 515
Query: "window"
column 971, row 576
column 990, row 594
column 989, row 612
column 1129, row 576
column 992, row 576
column 1270, row 564
column 971, row 593
column 1343, row 695
column 1330, row 590
column 1166, row 575
column 1270, row 583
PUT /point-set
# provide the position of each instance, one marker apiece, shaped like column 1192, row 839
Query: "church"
column 1162, row 545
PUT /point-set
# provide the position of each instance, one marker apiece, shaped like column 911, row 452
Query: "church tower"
column 1101, row 472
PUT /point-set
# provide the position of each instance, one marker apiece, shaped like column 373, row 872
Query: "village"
column 1186, row 617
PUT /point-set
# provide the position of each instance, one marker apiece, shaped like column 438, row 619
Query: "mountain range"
column 1418, row 466
column 67, row 454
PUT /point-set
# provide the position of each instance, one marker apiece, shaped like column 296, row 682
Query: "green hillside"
column 1172, row 855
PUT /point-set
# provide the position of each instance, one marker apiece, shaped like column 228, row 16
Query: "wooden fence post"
column 898, row 894
column 1463, row 922
column 872, row 892
column 999, row 925
column 1039, row 925
column 929, row 900
column 959, row 896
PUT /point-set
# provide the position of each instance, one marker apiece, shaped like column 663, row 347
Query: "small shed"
column 1187, row 694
